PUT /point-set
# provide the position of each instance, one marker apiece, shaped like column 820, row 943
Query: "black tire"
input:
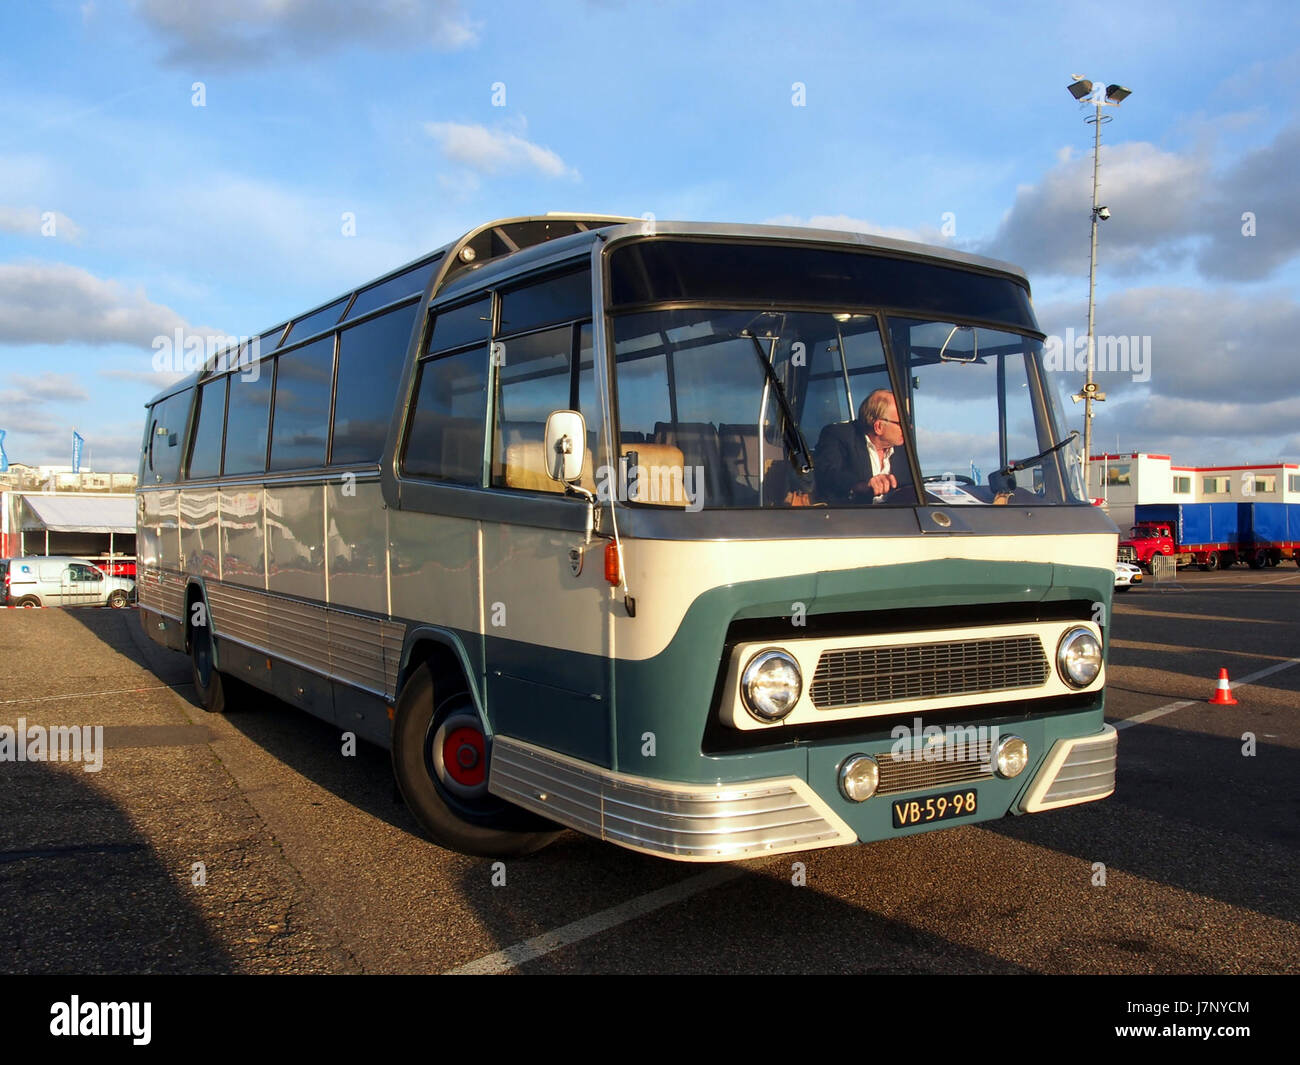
column 1257, row 561
column 28, row 601
column 479, row 824
column 209, row 684
column 1211, row 561
column 118, row 600
column 1123, row 587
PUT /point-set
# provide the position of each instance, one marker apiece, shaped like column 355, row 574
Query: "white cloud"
column 495, row 151
column 33, row 222
column 54, row 303
column 1222, row 385
column 47, row 386
column 1154, row 198
column 1166, row 209
column 244, row 32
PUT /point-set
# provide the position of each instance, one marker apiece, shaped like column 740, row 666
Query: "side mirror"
column 566, row 445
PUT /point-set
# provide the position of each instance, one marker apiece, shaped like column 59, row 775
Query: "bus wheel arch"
column 441, row 752
column 209, row 683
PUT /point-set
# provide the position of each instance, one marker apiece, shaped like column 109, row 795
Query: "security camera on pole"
column 1112, row 96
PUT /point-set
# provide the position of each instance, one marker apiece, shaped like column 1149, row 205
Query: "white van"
column 58, row 581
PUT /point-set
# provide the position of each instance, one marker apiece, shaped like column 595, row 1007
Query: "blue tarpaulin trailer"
column 1270, row 532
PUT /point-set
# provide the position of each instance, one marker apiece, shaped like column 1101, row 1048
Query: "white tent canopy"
column 80, row 514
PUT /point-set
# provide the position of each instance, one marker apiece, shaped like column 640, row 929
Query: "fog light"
column 771, row 685
column 1078, row 658
column 1012, row 757
column 859, row 777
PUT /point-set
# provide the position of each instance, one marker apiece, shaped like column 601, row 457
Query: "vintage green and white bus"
column 581, row 518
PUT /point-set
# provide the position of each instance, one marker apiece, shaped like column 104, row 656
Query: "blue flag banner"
column 4, row 459
column 77, row 441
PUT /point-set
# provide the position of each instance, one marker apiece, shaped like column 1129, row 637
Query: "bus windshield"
column 742, row 399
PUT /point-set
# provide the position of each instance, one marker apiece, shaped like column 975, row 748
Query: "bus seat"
column 526, row 468
column 661, row 476
column 740, row 451
column 698, row 442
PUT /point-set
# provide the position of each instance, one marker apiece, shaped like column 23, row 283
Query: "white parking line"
column 538, row 946
column 91, row 695
column 1169, row 708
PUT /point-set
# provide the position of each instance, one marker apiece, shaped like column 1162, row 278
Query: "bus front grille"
column 864, row 675
column 957, row 761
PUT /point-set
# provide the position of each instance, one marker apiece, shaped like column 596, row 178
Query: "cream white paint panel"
column 808, row 652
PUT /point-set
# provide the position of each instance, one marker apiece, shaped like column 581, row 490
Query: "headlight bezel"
column 847, row 766
column 1068, row 640
column 749, row 674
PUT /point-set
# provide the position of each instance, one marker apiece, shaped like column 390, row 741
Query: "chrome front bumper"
column 1077, row 770
column 703, row 823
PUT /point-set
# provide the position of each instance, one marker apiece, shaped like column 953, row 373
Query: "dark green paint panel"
column 553, row 718
column 671, row 694
column 873, row 820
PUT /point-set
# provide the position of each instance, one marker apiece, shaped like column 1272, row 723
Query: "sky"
column 222, row 166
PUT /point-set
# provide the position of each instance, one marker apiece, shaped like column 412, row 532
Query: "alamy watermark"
column 934, row 743
column 75, row 1017
column 58, row 743
column 184, row 352
column 1114, row 354
column 681, row 486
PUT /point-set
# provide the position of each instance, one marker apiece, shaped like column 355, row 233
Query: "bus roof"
column 576, row 230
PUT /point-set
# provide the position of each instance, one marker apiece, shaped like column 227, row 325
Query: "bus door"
column 546, row 603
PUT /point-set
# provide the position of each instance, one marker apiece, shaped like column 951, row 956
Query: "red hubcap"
column 464, row 756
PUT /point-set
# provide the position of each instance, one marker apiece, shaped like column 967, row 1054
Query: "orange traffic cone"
column 1223, row 693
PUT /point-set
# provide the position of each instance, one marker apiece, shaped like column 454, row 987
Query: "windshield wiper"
column 787, row 412
column 1020, row 464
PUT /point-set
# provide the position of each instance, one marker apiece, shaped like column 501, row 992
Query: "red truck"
column 1200, row 533
column 1214, row 534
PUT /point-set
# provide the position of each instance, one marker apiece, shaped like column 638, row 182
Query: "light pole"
column 1111, row 96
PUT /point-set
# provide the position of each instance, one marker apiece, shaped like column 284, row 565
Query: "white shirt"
column 877, row 465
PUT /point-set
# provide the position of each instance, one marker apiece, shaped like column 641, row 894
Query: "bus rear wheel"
column 209, row 684
column 440, row 759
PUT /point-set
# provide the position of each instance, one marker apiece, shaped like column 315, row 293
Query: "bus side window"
column 534, row 378
column 170, row 421
column 445, row 440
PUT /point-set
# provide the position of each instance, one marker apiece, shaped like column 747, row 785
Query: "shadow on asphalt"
column 82, row 891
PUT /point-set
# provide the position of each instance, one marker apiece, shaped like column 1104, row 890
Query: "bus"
column 713, row 541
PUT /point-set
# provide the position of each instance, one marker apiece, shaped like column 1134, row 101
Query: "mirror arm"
column 590, row 497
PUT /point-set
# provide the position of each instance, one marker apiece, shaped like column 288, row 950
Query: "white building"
column 1124, row 481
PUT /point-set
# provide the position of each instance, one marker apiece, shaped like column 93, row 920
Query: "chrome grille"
column 955, row 762
column 1127, row 554
column 862, row 675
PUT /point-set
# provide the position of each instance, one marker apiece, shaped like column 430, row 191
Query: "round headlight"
column 1012, row 757
column 1078, row 658
column 859, row 777
column 770, row 685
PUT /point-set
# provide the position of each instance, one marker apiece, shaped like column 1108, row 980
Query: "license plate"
column 909, row 812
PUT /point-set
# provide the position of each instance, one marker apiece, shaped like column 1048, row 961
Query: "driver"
column 863, row 461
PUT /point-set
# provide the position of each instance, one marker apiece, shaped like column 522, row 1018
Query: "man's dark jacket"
column 842, row 461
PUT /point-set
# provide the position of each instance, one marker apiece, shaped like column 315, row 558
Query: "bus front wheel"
column 440, row 758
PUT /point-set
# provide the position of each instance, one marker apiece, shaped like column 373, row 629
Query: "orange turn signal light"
column 613, row 568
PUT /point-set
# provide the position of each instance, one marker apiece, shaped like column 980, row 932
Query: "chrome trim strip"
column 364, row 473
column 690, row 822
column 1070, row 774
column 363, row 651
